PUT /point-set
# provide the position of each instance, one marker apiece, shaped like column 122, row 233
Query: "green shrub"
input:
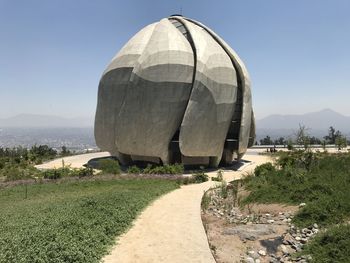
column 223, row 190
column 264, row 169
column 19, row 171
column 82, row 172
column 322, row 182
column 219, row 177
column 200, row 177
column 13, row 173
column 330, row 246
column 133, row 170
column 56, row 173
column 109, row 166
column 165, row 169
column 206, row 199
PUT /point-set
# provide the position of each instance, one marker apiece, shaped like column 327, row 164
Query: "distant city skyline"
column 53, row 53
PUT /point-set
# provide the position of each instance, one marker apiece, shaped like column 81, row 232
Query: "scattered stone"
column 250, row 232
column 253, row 254
column 303, row 240
column 284, row 249
column 251, row 227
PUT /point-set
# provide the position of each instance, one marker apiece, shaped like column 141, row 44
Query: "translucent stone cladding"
column 175, row 92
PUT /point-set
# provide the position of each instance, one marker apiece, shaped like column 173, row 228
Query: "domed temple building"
column 175, row 93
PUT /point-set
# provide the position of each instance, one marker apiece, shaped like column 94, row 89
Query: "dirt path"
column 75, row 161
column 171, row 229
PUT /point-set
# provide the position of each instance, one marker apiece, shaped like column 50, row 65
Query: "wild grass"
column 71, row 221
column 331, row 246
column 322, row 181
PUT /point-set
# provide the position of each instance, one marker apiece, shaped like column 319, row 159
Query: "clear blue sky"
column 52, row 52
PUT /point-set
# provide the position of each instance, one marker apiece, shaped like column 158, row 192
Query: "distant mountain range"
column 45, row 121
column 316, row 122
column 273, row 125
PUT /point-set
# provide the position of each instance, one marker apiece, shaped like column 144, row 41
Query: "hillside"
column 317, row 123
column 45, row 121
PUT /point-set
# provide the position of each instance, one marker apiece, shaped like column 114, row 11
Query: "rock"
column 250, row 232
column 262, row 252
column 284, row 249
column 249, row 260
column 315, row 225
column 303, row 240
column 257, row 261
column 296, row 247
column 302, row 204
column 270, row 221
column 253, row 254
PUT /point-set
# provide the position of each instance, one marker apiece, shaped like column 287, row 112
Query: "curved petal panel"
column 157, row 95
column 113, row 86
column 245, row 86
column 210, row 108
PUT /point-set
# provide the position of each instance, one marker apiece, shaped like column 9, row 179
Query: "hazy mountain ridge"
column 45, row 121
column 315, row 120
column 273, row 125
column 317, row 123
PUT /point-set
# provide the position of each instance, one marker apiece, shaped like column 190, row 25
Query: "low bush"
column 109, row 166
column 13, row 172
column 83, row 172
column 56, row 173
column 66, row 172
column 330, row 246
column 322, row 182
column 264, row 169
column 134, row 170
column 200, row 177
column 165, row 169
column 219, row 177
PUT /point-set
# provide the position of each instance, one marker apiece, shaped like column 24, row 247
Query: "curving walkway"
column 171, row 229
column 74, row 161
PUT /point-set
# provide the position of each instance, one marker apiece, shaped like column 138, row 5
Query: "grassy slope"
column 323, row 183
column 324, row 186
column 71, row 221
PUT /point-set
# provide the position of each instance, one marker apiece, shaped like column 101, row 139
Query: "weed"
column 219, row 176
column 200, row 177
column 133, row 170
column 206, row 199
column 321, row 181
column 109, row 166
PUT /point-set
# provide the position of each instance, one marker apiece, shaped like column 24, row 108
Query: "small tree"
column 266, row 141
column 302, row 136
column 65, row 151
column 340, row 142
